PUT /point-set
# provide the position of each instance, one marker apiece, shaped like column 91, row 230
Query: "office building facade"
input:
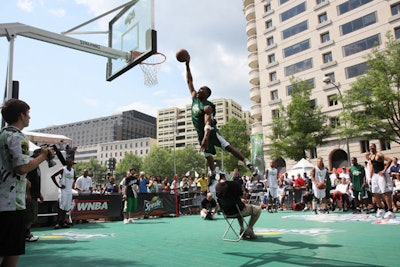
column 314, row 40
column 175, row 128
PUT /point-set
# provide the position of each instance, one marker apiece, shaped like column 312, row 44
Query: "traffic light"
column 111, row 163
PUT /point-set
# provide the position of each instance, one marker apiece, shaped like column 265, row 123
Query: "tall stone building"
column 323, row 42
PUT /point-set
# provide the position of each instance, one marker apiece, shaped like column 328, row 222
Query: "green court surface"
column 286, row 238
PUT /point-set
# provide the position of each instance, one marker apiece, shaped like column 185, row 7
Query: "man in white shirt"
column 84, row 184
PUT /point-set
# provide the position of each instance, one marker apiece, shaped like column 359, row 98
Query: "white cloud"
column 59, row 12
column 25, row 5
column 144, row 108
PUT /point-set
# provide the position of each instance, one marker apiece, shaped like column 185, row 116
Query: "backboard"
column 132, row 30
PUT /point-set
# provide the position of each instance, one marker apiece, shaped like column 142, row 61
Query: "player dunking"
column 203, row 112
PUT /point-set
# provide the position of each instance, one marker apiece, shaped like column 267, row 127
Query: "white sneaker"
column 131, row 220
column 379, row 213
column 389, row 215
column 126, row 221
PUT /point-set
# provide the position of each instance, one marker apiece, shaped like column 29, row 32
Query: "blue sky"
column 64, row 85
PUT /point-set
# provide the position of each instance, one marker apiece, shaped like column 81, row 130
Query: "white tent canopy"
column 46, row 138
column 303, row 166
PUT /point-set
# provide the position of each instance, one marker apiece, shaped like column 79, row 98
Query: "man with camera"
column 15, row 163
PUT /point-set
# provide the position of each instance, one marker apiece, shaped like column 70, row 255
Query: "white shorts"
column 379, row 184
column 318, row 193
column 65, row 201
column 273, row 192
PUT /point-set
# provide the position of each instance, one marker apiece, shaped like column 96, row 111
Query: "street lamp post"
column 328, row 80
column 174, row 137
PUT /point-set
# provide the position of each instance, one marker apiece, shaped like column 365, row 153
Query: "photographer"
column 208, row 207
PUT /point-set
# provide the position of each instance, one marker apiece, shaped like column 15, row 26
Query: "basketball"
column 320, row 185
column 182, row 55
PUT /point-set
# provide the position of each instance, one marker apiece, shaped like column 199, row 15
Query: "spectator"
column 334, row 178
column 288, row 182
column 308, row 195
column 357, row 177
column 396, row 191
column 342, row 194
column 281, row 193
column 184, row 184
column 130, row 196
column 272, row 179
column 111, row 187
column 299, row 182
column 143, row 182
column 208, row 207
column 152, row 185
column 203, row 181
column 165, row 185
column 65, row 199
column 84, row 184
column 159, row 183
column 33, row 194
column 395, row 168
column 229, row 195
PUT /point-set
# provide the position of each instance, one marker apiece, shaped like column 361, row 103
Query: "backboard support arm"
column 12, row 30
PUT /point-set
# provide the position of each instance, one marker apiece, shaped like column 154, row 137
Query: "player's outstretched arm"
column 189, row 79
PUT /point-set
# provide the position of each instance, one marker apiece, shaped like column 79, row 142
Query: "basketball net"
column 150, row 68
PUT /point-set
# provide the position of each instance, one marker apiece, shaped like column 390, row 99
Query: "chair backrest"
column 228, row 206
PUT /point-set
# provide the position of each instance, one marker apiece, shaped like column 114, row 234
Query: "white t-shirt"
column 84, row 183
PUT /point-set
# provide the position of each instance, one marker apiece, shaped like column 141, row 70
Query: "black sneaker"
column 315, row 211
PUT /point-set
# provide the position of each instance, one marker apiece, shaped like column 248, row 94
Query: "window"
column 334, row 122
column 332, row 100
column 267, row 7
column 361, row 45
column 268, row 24
column 327, row 57
column 296, row 48
column 350, row 5
column 322, row 17
column 385, row 144
column 272, row 76
column 274, row 95
column 395, row 9
column 281, row 2
column 358, row 23
column 356, row 70
column 271, row 58
column 397, row 33
column 293, row 12
column 313, row 103
column 319, row 1
column 325, row 37
column 364, row 145
column 270, row 41
column 275, row 113
column 298, row 67
column 289, row 88
column 313, row 153
column 302, row 26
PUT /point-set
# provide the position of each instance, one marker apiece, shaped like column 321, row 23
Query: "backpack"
column 298, row 206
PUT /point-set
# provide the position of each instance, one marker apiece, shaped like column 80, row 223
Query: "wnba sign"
column 96, row 206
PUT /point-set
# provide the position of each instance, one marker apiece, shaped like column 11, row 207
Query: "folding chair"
column 230, row 219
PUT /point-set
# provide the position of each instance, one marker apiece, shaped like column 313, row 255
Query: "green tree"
column 129, row 161
column 190, row 159
column 235, row 132
column 373, row 101
column 159, row 162
column 300, row 126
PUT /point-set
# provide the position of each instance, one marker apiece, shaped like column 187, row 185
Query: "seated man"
column 229, row 195
column 208, row 207
column 342, row 194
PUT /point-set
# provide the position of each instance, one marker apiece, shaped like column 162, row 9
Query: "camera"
column 49, row 159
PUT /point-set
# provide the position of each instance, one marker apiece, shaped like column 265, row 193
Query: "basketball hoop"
column 150, row 68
